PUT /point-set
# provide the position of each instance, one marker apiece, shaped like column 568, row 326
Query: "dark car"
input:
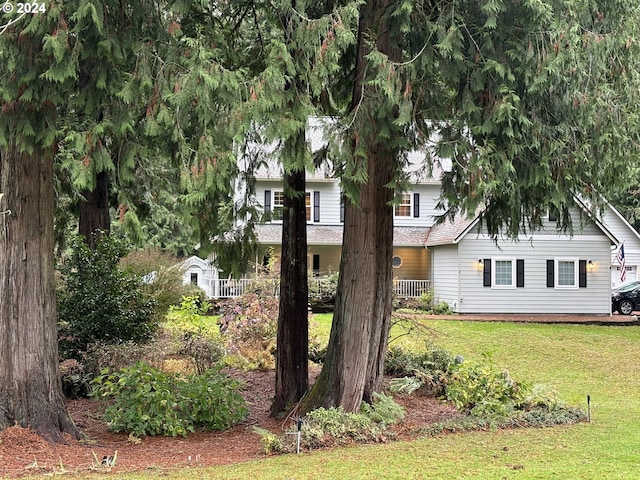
column 626, row 298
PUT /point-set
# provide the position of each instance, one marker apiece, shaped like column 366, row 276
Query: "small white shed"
column 201, row 273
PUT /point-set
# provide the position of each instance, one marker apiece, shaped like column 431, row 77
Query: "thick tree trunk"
column 30, row 387
column 352, row 368
column 354, row 364
column 292, row 372
column 94, row 211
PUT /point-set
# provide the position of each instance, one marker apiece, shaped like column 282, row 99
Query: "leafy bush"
column 75, row 381
column 249, row 327
column 103, row 356
column 384, row 410
column 196, row 338
column 147, row 401
column 323, row 289
column 539, row 417
column 428, row 371
column 483, row 390
column 162, row 278
column 326, row 427
column 99, row 301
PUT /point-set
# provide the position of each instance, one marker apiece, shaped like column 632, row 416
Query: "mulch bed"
column 23, row 452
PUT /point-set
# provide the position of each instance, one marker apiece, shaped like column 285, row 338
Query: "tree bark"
column 94, row 211
column 30, row 387
column 292, row 371
column 354, row 365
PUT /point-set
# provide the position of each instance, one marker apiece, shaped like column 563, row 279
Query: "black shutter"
column 519, row 273
column 316, row 206
column 550, row 273
column 342, row 208
column 267, row 200
column 582, row 274
column 416, row 205
column 486, row 273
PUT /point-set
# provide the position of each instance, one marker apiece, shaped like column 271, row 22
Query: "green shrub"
column 99, row 301
column 196, row 336
column 147, row 401
column 384, row 410
column 427, row 371
column 325, row 427
column 483, row 390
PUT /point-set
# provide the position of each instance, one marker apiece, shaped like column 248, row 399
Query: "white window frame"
column 399, row 258
column 494, row 271
column 404, row 204
column 280, row 206
column 556, row 273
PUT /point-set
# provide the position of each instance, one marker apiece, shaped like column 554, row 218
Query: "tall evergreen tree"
column 532, row 103
column 63, row 68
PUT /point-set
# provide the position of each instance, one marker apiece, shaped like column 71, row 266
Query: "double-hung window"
column 504, row 273
column 566, row 273
column 278, row 205
column 403, row 208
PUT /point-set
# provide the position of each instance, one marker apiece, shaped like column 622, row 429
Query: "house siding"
column 415, row 263
column 329, row 198
column 535, row 297
column 622, row 231
column 429, row 194
column 445, row 273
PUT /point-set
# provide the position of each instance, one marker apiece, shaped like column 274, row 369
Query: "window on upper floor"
column 403, row 208
column 278, row 205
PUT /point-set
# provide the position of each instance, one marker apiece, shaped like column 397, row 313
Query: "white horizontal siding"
column 445, row 273
column 623, row 233
column 535, row 297
column 329, row 198
column 429, row 194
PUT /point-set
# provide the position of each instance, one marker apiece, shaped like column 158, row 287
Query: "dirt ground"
column 23, row 452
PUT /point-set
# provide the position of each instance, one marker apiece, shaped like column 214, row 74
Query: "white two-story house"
column 543, row 272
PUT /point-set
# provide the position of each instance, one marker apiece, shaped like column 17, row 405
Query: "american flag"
column 620, row 259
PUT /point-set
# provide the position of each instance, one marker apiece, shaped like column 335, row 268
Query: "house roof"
column 332, row 235
column 452, row 232
column 317, row 134
column 194, row 261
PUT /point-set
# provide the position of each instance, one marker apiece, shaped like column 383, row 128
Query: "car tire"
column 625, row 307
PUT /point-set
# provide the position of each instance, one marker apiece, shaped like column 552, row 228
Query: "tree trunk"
column 94, row 211
column 30, row 387
column 354, row 364
column 292, row 372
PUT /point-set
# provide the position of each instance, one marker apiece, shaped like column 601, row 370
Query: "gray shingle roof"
column 332, row 235
column 449, row 232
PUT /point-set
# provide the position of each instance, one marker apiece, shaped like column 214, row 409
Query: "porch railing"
column 230, row 288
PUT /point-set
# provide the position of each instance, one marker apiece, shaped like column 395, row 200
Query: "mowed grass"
column 603, row 362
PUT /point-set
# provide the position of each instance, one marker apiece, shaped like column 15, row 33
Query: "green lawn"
column 603, row 362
